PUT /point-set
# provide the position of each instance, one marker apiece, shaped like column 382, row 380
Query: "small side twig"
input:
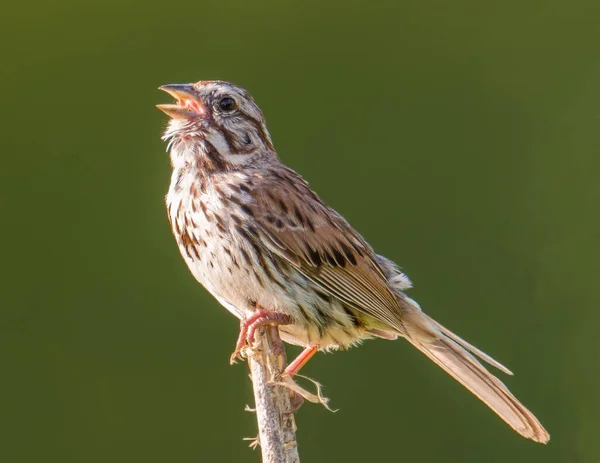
column 276, row 424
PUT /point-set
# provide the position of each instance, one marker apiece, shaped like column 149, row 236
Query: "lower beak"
column 188, row 104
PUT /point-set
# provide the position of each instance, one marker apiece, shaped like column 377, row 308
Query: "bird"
column 267, row 247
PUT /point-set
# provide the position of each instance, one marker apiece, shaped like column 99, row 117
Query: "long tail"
column 451, row 353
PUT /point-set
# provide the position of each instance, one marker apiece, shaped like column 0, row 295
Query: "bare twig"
column 276, row 424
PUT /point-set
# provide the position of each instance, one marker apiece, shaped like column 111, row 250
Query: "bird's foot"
column 248, row 328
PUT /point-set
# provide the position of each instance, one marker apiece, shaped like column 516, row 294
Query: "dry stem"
column 276, row 424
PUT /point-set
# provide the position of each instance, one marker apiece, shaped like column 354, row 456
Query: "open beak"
column 188, row 104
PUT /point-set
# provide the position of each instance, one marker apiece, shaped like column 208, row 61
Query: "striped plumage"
column 258, row 238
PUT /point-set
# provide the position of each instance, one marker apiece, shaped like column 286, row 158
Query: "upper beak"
column 188, row 104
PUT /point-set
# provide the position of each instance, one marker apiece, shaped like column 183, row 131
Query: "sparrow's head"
column 217, row 116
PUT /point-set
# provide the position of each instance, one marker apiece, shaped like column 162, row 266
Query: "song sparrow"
column 253, row 232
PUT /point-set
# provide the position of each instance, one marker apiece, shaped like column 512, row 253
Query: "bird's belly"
column 235, row 277
column 319, row 319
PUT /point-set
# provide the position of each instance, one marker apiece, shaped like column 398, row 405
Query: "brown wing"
column 295, row 224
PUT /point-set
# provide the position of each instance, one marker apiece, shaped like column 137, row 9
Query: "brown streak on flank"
column 244, row 207
column 204, row 208
column 277, row 266
column 325, row 297
column 322, row 331
column 193, row 190
column 303, row 312
column 352, row 316
column 220, row 223
column 269, row 273
column 196, row 253
column 244, row 188
column 236, row 219
column 247, row 210
column 258, row 279
column 220, row 192
column 320, row 314
column 252, row 230
column 246, row 235
column 246, row 257
column 187, row 243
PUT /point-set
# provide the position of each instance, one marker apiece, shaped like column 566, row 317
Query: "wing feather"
column 296, row 225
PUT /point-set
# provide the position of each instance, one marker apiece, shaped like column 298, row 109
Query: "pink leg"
column 249, row 326
column 301, row 360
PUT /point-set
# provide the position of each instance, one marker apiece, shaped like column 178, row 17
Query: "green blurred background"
column 461, row 138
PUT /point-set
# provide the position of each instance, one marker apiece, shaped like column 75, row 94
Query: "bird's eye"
column 227, row 104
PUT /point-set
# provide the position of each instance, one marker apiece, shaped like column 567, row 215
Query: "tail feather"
column 470, row 347
column 451, row 353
